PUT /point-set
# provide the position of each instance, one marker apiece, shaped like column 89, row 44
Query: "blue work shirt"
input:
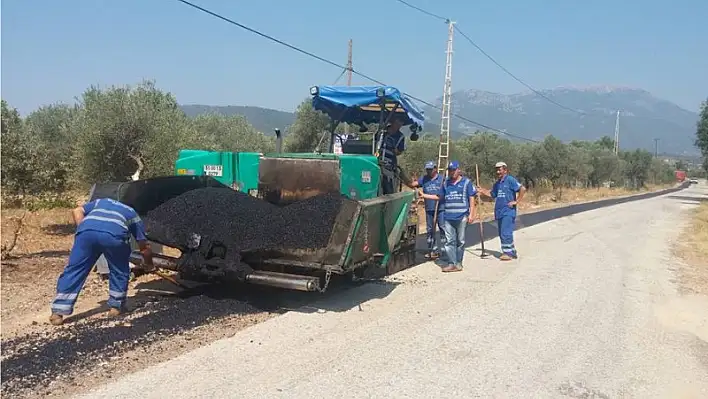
column 431, row 185
column 503, row 192
column 391, row 142
column 456, row 197
column 113, row 217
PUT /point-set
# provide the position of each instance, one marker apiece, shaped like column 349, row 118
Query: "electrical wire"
column 339, row 77
column 424, row 11
column 299, row 50
column 481, row 50
column 538, row 93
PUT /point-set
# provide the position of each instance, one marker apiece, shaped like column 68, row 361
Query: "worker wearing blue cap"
column 458, row 196
column 394, row 144
column 431, row 183
column 104, row 227
column 507, row 193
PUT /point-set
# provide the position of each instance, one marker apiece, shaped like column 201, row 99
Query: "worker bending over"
column 104, row 227
column 507, row 193
column 394, row 143
column 458, row 196
column 431, row 183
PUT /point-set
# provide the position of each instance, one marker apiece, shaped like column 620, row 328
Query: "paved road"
column 589, row 311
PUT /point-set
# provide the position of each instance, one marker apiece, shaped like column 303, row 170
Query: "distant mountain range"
column 643, row 117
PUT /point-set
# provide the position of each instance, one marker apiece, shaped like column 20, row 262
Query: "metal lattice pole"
column 444, row 148
column 617, row 132
column 350, row 68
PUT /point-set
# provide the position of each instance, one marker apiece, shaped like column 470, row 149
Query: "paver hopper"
column 372, row 237
column 373, row 234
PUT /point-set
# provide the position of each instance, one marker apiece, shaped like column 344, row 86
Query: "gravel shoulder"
column 590, row 310
column 693, row 245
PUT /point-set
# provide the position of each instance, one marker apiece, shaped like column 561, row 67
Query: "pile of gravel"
column 36, row 359
column 243, row 223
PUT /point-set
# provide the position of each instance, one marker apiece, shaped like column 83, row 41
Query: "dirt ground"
column 163, row 322
column 28, row 282
column 693, row 249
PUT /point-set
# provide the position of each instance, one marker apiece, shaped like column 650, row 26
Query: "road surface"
column 589, row 311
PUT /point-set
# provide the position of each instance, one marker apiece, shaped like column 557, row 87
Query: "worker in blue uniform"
column 507, row 193
column 430, row 183
column 394, row 144
column 458, row 196
column 104, row 227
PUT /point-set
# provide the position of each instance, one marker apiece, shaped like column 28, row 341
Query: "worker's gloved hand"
column 149, row 266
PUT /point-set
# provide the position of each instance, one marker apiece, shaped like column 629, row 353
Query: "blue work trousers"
column 506, row 226
column 455, row 240
column 88, row 247
column 388, row 185
column 429, row 217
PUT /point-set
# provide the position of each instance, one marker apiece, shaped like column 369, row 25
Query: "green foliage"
column 307, row 131
column 228, row 133
column 107, row 137
column 115, row 131
column 51, row 129
column 547, row 165
column 702, row 133
column 18, row 154
column 121, row 127
column 40, row 201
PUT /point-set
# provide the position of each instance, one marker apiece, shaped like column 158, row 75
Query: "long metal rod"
column 481, row 223
column 283, row 280
column 350, row 68
column 259, row 277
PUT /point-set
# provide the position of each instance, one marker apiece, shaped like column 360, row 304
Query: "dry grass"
column 538, row 200
column 693, row 248
column 30, row 272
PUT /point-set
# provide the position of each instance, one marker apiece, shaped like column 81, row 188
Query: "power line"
column 481, row 50
column 339, row 77
column 423, row 11
column 342, row 67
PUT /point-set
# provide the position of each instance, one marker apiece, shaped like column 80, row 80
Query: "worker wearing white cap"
column 507, row 193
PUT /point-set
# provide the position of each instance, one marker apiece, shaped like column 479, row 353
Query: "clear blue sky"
column 52, row 50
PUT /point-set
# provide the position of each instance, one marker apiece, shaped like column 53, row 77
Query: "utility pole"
column 350, row 68
column 617, row 132
column 656, row 148
column 444, row 148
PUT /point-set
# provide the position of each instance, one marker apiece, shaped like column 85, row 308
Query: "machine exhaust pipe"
column 258, row 277
column 278, row 141
column 283, row 280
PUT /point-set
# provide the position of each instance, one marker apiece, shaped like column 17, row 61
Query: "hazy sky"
column 52, row 50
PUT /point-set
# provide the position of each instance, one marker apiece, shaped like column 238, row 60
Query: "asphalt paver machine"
column 373, row 234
